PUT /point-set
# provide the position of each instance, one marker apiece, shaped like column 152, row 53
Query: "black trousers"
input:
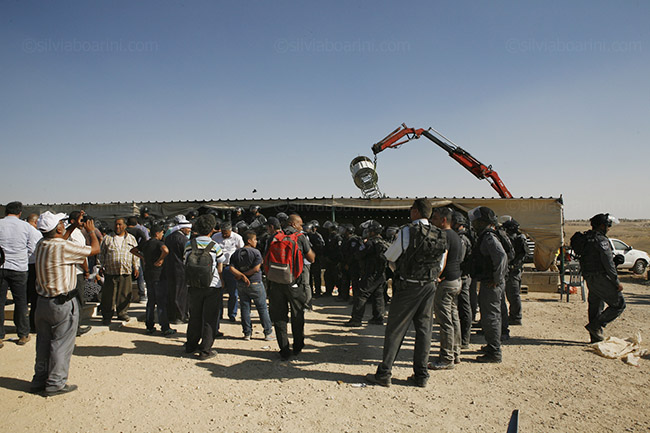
column 465, row 311
column 315, row 277
column 202, row 326
column 603, row 291
column 369, row 289
column 285, row 299
column 410, row 303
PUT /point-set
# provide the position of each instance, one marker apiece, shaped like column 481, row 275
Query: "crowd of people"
column 444, row 266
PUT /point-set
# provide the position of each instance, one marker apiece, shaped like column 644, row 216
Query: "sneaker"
column 204, row 356
column 379, row 321
column 514, row 322
column 464, row 346
column 440, row 365
column 168, row 332
column 106, row 322
column 269, row 337
column 352, row 323
column 23, row 340
column 66, row 389
column 247, row 337
column 373, row 379
column 487, row 358
column 505, row 337
column 124, row 318
column 36, row 389
column 457, row 360
column 420, row 382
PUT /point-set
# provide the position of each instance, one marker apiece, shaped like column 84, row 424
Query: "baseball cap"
column 48, row 221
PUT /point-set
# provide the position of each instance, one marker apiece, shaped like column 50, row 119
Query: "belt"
column 62, row 299
column 408, row 280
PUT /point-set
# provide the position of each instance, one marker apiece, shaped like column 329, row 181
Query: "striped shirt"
column 115, row 254
column 217, row 254
column 55, row 266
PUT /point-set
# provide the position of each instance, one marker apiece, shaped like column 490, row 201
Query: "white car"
column 635, row 260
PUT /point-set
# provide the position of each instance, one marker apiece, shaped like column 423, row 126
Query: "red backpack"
column 283, row 261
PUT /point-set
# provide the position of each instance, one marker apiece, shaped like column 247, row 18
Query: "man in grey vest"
column 490, row 268
column 416, row 271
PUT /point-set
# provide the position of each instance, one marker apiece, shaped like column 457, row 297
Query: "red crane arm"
column 460, row 155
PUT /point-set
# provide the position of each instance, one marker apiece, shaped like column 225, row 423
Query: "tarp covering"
column 540, row 218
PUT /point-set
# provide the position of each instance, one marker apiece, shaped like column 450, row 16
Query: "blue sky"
column 166, row 100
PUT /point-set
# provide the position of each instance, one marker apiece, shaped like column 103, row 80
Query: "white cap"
column 48, row 221
column 185, row 225
column 180, row 219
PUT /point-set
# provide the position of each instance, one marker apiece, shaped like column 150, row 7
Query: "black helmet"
column 282, row 217
column 239, row 209
column 511, row 225
column 372, row 226
column 314, row 223
column 603, row 218
column 192, row 214
column 459, row 219
column 144, row 210
column 329, row 224
column 307, row 227
column 483, row 213
column 391, row 232
column 240, row 227
column 254, row 208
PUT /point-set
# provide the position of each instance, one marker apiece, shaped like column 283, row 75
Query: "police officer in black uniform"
column 349, row 262
column 465, row 312
column 515, row 269
column 318, row 244
column 489, row 268
column 332, row 258
column 599, row 270
column 372, row 271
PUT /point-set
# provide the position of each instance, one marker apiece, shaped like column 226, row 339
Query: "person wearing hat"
column 599, row 271
column 490, row 263
column 173, row 272
column 57, row 315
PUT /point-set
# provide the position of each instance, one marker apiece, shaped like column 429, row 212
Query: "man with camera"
column 57, row 315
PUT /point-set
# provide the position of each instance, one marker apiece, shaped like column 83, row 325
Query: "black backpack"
column 421, row 257
column 198, row 266
column 579, row 243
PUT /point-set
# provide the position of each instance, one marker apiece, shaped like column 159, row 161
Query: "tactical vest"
column 482, row 267
column 590, row 259
column 420, row 260
column 374, row 264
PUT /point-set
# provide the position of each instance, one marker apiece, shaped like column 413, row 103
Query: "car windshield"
column 618, row 245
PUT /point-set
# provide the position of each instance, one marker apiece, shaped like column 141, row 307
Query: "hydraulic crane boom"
column 474, row 166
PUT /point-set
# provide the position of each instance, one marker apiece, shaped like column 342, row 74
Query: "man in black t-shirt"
column 245, row 265
column 153, row 253
column 445, row 301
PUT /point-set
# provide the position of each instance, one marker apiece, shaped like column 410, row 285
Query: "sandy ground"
column 130, row 381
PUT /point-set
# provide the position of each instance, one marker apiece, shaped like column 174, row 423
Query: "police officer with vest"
column 372, row 267
column 460, row 225
column 349, row 262
column 599, row 271
column 515, row 269
column 332, row 255
column 415, row 255
column 490, row 265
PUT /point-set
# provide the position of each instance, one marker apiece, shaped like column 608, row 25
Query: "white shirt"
column 78, row 238
column 39, row 236
column 401, row 243
column 18, row 240
column 228, row 245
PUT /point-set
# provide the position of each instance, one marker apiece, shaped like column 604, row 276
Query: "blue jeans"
column 157, row 298
column 255, row 293
column 16, row 281
column 230, row 285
